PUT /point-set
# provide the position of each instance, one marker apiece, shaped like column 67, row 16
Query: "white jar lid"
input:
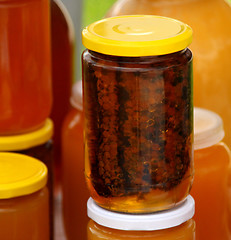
column 142, row 222
column 208, row 128
column 77, row 96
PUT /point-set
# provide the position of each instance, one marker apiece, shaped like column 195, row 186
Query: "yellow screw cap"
column 20, row 175
column 27, row 140
column 137, row 35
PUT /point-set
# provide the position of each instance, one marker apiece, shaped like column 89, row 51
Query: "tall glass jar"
column 166, row 225
column 24, row 208
column 75, row 193
column 37, row 144
column 62, row 39
column 212, row 160
column 138, row 112
column 211, row 21
column 25, row 65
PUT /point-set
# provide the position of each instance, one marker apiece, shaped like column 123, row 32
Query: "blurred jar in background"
column 210, row 189
column 75, row 192
column 25, row 65
column 62, row 31
column 166, row 225
column 24, row 208
column 37, row 144
column 211, row 47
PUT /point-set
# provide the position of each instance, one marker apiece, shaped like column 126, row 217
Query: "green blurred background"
column 94, row 10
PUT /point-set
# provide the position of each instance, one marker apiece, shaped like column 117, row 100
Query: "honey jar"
column 212, row 161
column 137, row 73
column 24, row 198
column 25, row 65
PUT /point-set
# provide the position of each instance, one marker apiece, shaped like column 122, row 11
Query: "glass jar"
column 24, row 208
column 73, row 169
column 25, row 68
column 37, row 144
column 62, row 37
column 212, row 160
column 171, row 225
column 211, row 46
column 138, row 109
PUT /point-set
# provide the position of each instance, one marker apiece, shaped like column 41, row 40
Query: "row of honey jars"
column 137, row 73
column 211, row 157
column 211, row 47
column 24, row 198
column 171, row 224
column 37, row 144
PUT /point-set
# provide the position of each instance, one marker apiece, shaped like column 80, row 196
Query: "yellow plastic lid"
column 137, row 35
column 27, row 140
column 20, row 175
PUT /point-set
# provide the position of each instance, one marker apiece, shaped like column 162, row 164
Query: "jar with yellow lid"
column 212, row 160
column 24, row 198
column 137, row 73
column 37, row 144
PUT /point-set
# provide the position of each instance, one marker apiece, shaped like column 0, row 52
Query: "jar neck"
column 142, row 59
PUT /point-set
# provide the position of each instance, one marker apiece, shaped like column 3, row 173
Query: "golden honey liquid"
column 210, row 191
column 186, row 231
column 26, row 217
column 211, row 47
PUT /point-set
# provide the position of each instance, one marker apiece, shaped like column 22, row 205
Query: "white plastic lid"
column 77, row 96
column 208, row 128
column 142, row 222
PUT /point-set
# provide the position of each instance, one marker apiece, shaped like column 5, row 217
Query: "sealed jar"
column 210, row 187
column 137, row 74
column 24, row 200
column 37, row 144
column 25, row 67
column 210, row 83
column 171, row 224
column 74, row 198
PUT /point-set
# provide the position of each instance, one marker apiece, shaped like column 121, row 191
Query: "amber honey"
column 186, row 231
column 25, row 68
column 74, row 189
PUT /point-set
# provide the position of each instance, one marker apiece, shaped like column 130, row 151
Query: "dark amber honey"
column 138, row 130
